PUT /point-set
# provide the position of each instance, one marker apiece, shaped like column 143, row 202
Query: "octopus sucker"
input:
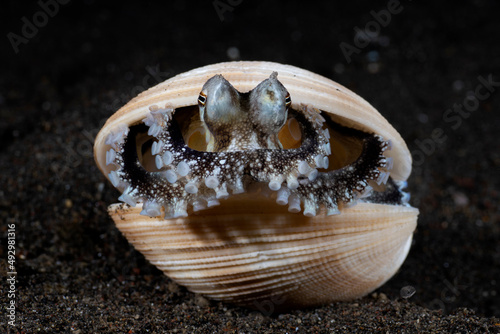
column 246, row 180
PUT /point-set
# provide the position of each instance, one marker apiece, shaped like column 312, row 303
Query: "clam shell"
column 254, row 257
column 249, row 250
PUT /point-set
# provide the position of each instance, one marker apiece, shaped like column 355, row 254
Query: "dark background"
column 76, row 273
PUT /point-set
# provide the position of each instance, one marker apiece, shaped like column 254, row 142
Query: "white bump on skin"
column 318, row 159
column 180, row 214
column 171, row 176
column 327, row 148
column 158, row 162
column 351, row 203
column 312, row 175
column 167, row 158
column 110, row 156
column 180, row 210
column 151, row 209
column 211, row 182
column 292, row 182
column 221, row 192
column 275, row 184
column 333, row 211
column 114, row 178
column 294, row 204
column 212, row 202
column 382, row 178
column 191, row 188
column 183, row 169
column 389, row 163
column 127, row 198
column 115, row 138
column 198, row 206
column 309, row 209
column 304, row 167
column 366, row 192
column 154, row 148
column 282, row 198
column 238, row 187
column 326, row 162
column 154, row 130
column 361, row 185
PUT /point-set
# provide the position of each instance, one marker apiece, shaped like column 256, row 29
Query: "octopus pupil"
column 202, row 99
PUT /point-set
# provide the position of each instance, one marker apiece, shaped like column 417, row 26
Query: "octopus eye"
column 202, row 98
column 288, row 100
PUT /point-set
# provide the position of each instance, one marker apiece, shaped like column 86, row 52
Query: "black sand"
column 77, row 274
